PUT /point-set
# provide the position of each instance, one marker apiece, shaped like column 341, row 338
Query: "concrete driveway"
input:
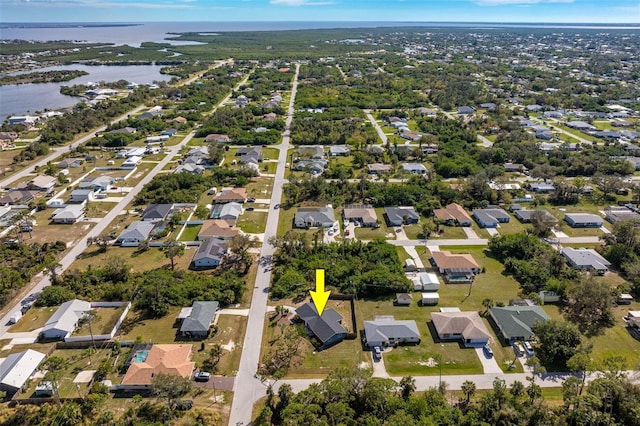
column 489, row 365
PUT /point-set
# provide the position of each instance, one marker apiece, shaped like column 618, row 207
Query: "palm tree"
column 468, row 389
column 173, row 249
column 239, row 246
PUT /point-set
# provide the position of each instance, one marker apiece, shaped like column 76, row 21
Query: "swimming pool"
column 140, row 356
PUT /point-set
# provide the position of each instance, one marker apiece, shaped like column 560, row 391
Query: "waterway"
column 19, row 99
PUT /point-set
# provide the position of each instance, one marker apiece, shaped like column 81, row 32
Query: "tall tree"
column 170, row 387
column 173, row 249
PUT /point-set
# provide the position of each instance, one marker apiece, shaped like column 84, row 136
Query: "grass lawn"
column 45, row 231
column 560, row 211
column 102, row 323
column 268, row 168
column 231, row 333
column 371, row 233
column 160, row 330
column 141, row 171
column 260, row 187
column 97, row 209
column 614, row 341
column 270, row 153
column 402, row 254
column 40, row 347
column 574, row 132
column 451, row 233
column 190, row 233
column 412, row 231
column 150, row 259
column 512, row 227
column 285, row 220
column 33, row 319
column 253, row 222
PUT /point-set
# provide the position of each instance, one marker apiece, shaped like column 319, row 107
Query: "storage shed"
column 431, row 298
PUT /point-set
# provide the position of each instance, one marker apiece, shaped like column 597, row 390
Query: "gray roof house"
column 387, row 331
column 542, row 188
column 586, row 259
column 525, row 216
column 17, row 369
column 197, row 324
column 190, row 168
column 230, row 211
column 466, row 110
column 615, row 214
column 209, row 254
column 491, row 216
column 250, row 154
column 156, row 212
column 99, row 183
column 414, row 168
column 314, row 217
column 65, row 320
column 515, row 322
column 397, row 216
column 69, row 214
column 465, row 326
column 313, row 151
column 135, row 233
column 81, row 195
column 327, row 328
column 315, row 167
column 583, row 220
column 339, row 150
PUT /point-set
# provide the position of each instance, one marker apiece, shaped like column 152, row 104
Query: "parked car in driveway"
column 528, row 348
column 377, row 353
column 487, row 351
column 202, row 376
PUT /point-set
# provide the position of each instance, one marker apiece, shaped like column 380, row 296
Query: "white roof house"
column 17, row 369
column 65, row 320
column 131, row 162
column 69, row 214
column 426, row 281
column 135, row 233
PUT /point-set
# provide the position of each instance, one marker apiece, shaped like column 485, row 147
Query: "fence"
column 101, row 337
column 354, row 334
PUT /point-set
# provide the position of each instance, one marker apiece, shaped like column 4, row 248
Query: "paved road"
column 248, row 389
column 482, row 381
column 376, row 126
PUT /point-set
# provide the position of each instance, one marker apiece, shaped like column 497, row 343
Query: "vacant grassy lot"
column 46, row 231
column 98, row 209
column 103, row 321
column 33, row 319
column 231, row 336
column 253, row 222
column 260, row 187
column 144, row 261
column 450, row 233
column 141, row 171
column 160, row 330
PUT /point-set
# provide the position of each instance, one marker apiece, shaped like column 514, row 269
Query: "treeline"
column 240, row 125
column 372, row 269
column 623, row 250
column 152, row 291
column 351, row 397
column 187, row 187
column 337, row 126
column 19, row 262
column 42, row 77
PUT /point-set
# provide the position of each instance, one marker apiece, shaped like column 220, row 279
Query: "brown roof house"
column 217, row 138
column 456, row 268
column 166, row 359
column 465, row 326
column 217, row 228
column 364, row 215
column 231, row 195
column 453, row 214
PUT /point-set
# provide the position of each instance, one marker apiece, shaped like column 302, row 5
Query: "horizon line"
column 329, row 21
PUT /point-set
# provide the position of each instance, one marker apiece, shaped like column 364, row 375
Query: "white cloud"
column 300, row 2
column 516, row 2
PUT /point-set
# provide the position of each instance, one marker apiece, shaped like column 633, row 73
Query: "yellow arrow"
column 320, row 297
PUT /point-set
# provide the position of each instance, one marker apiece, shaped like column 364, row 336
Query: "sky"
column 570, row 11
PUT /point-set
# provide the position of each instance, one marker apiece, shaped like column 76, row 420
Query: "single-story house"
column 327, row 328
column 131, row 162
column 65, row 319
column 456, row 268
column 209, row 254
column 491, row 216
column 414, row 168
column 315, row 167
column 124, row 130
column 586, row 259
column 135, row 233
column 403, row 215
column 314, row 217
column 231, row 195
column 69, row 214
column 156, row 212
column 364, row 215
column 229, row 211
column 195, row 169
column 379, row 168
column 581, row 125
column 583, row 220
column 169, row 132
column 515, row 322
column 313, row 151
column 542, row 187
column 339, row 150
column 42, row 183
column 514, row 167
column 615, row 214
column 525, row 216
column 453, row 214
column 216, row 228
column 99, row 183
column 16, row 369
column 387, row 331
column 426, row 281
column 81, row 195
column 250, row 154
column 68, row 163
column 403, row 299
column 166, row 359
column 466, row 110
column 214, row 137
column 465, row 326
column 17, row 197
column 198, row 320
